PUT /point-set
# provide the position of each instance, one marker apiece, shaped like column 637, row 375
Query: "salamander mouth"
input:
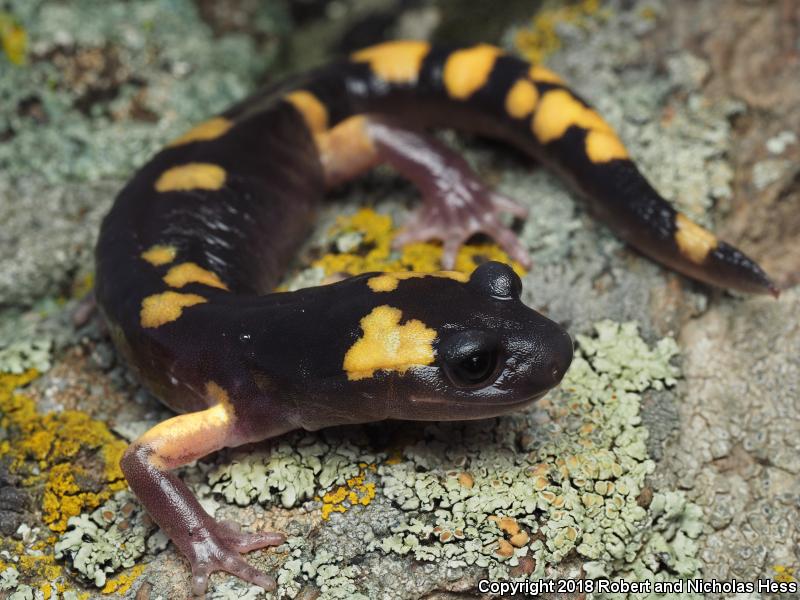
column 443, row 409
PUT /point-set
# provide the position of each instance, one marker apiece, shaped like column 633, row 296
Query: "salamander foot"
column 219, row 548
column 458, row 206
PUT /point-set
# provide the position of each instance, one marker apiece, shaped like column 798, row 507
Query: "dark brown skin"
column 197, row 240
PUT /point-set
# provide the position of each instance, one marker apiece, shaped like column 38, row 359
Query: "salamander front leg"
column 207, row 544
column 456, row 203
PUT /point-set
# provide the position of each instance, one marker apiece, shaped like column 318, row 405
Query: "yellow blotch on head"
column 398, row 62
column 466, row 71
column 166, row 307
column 602, row 146
column 189, row 272
column 314, row 112
column 159, row 255
column 191, row 176
column 388, row 282
column 388, row 346
column 558, row 111
column 521, row 99
column 694, row 242
column 539, row 73
column 209, row 130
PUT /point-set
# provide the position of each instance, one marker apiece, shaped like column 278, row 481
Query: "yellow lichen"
column 541, row 39
column 49, row 450
column 784, row 574
column 374, row 253
column 123, row 582
column 13, row 38
column 354, row 492
column 83, row 285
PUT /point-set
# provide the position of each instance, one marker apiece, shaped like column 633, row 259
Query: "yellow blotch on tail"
column 466, row 71
column 209, row 130
column 602, row 146
column 388, row 346
column 189, row 272
column 694, row 242
column 559, row 110
column 166, row 307
column 191, row 176
column 159, row 254
column 388, row 282
column 313, row 110
column 521, row 99
column 397, row 62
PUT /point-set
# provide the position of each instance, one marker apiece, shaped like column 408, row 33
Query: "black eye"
column 475, row 368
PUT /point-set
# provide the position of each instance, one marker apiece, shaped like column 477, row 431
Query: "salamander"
column 190, row 253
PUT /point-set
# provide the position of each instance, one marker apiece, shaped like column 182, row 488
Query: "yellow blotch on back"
column 191, row 176
column 388, row 346
column 166, row 307
column 694, row 242
column 209, row 130
column 466, row 71
column 189, row 272
column 314, row 112
column 521, row 99
column 397, row 62
column 159, row 255
column 388, row 282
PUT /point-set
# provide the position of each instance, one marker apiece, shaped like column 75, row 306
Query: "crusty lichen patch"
column 73, row 456
column 68, row 460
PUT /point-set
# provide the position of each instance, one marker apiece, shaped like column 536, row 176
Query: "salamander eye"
column 470, row 358
column 475, row 368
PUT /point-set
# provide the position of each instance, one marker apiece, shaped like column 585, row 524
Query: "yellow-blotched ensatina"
column 195, row 243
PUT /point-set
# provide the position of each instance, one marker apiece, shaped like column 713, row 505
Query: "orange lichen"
column 374, row 252
column 355, row 492
column 59, row 451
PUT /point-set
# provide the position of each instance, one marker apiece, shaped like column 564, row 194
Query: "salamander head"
column 472, row 349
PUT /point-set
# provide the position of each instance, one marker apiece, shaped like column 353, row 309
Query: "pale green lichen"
column 123, row 64
column 111, row 538
column 27, row 339
column 296, row 470
column 576, row 488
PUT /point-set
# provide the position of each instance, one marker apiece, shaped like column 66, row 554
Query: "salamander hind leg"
column 456, row 202
column 207, row 544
